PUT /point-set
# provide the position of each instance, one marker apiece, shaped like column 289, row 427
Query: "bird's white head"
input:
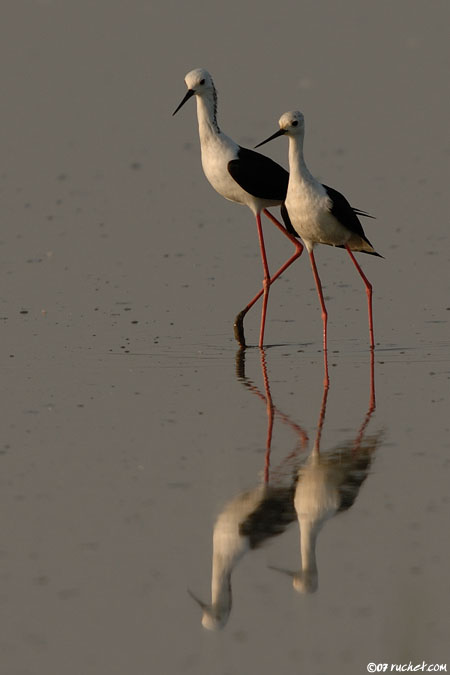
column 291, row 124
column 199, row 80
column 213, row 617
column 199, row 83
column 306, row 582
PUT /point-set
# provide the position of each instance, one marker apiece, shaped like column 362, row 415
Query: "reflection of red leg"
column 368, row 286
column 266, row 279
column 322, row 301
column 323, row 409
column 372, row 404
column 239, row 321
column 270, row 411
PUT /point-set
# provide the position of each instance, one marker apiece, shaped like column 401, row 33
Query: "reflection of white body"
column 327, row 484
column 317, row 498
column 244, row 524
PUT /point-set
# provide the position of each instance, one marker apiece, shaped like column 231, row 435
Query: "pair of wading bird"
column 310, row 210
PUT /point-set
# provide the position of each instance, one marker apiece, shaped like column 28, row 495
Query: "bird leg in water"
column 368, row 286
column 322, row 301
column 266, row 279
column 239, row 320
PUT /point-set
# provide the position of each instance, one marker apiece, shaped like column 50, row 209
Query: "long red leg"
column 239, row 320
column 368, row 286
column 266, row 279
column 322, row 301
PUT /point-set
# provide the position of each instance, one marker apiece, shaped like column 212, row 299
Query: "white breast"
column 217, row 151
column 308, row 206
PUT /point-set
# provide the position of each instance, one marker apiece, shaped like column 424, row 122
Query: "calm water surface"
column 153, row 477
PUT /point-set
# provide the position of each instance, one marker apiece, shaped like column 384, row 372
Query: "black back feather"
column 259, row 175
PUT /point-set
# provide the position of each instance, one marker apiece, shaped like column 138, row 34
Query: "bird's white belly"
column 215, row 158
column 312, row 219
column 223, row 183
column 316, row 496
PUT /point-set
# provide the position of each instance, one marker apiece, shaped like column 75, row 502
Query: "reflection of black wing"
column 259, row 175
column 274, row 513
column 355, row 465
column 349, row 489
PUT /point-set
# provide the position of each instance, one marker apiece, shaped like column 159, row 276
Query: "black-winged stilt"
column 319, row 214
column 242, row 176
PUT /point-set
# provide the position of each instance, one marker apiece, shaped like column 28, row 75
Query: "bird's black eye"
column 202, row 81
column 294, row 124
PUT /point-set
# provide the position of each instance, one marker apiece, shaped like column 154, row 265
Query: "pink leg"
column 323, row 409
column 270, row 412
column 368, row 286
column 372, row 403
column 322, row 302
column 239, row 320
column 266, row 279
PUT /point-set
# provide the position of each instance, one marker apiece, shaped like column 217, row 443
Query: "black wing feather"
column 287, row 221
column 360, row 212
column 259, row 175
column 343, row 212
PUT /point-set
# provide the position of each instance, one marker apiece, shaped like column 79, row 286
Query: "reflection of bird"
column 327, row 484
column 319, row 214
column 244, row 524
column 252, row 518
column 240, row 175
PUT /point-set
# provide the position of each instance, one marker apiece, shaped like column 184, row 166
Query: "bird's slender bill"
column 280, row 132
column 283, row 571
column 189, row 93
column 202, row 604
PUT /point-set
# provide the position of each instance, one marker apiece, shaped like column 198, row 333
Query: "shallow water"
column 133, row 425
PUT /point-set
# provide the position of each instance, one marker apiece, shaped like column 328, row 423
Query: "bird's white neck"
column 309, row 529
column 297, row 166
column 223, row 564
column 207, row 116
column 221, row 588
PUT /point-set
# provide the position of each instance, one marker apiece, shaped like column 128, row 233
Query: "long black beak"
column 280, row 132
column 189, row 93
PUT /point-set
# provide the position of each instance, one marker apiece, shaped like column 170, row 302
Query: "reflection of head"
column 211, row 621
column 303, row 581
column 214, row 618
column 306, row 582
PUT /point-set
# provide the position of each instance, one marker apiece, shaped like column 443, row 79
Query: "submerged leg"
column 368, row 286
column 239, row 320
